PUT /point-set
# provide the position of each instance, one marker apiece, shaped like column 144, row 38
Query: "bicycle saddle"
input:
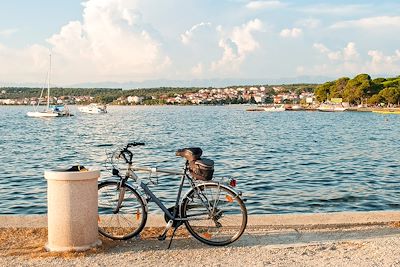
column 190, row 153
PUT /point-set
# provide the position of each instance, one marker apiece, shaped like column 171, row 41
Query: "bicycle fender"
column 237, row 193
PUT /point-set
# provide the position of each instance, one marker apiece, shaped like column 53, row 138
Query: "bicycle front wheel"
column 122, row 212
column 215, row 214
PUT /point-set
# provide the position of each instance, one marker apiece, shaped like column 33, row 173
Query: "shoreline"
column 314, row 220
column 357, row 109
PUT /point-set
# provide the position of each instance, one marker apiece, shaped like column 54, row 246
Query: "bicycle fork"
column 121, row 186
column 121, row 196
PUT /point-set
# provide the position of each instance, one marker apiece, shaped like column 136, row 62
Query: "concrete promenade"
column 324, row 239
column 314, row 220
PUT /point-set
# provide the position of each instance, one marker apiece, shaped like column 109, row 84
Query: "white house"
column 135, row 99
column 259, row 98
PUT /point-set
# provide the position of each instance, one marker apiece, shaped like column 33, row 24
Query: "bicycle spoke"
column 224, row 224
column 121, row 222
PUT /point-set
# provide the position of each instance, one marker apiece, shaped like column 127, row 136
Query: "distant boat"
column 297, row 107
column 49, row 111
column 94, row 109
column 327, row 107
column 275, row 108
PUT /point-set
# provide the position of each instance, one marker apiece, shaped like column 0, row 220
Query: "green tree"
column 358, row 88
column 338, row 88
column 391, row 95
column 322, row 91
column 105, row 99
column 375, row 99
column 379, row 80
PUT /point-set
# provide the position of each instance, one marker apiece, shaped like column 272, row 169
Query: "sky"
column 97, row 41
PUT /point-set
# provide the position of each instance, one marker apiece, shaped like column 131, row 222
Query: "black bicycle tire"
column 142, row 204
column 206, row 241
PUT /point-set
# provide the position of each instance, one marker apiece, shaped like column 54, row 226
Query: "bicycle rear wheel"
column 215, row 214
column 122, row 212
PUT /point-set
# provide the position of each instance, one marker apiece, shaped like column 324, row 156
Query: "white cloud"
column 335, row 55
column 381, row 63
column 321, row 48
column 239, row 43
column 335, row 9
column 348, row 53
column 309, row 23
column 291, row 33
column 345, row 61
column 368, row 23
column 348, row 61
column 257, row 5
column 111, row 43
column 30, row 60
column 243, row 36
column 230, row 60
column 198, row 69
column 300, row 69
column 8, row 32
column 130, row 40
column 188, row 35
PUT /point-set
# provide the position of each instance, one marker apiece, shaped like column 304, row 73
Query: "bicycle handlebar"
column 127, row 154
column 135, row 144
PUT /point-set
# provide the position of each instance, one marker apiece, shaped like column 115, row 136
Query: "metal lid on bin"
column 68, row 175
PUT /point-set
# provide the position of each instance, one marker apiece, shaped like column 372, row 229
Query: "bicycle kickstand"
column 167, row 227
column 172, row 237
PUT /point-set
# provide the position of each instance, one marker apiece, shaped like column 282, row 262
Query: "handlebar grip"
column 104, row 145
column 135, row 144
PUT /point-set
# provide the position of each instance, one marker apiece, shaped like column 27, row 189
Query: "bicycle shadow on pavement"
column 260, row 237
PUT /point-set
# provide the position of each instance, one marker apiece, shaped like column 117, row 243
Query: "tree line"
column 102, row 95
column 361, row 90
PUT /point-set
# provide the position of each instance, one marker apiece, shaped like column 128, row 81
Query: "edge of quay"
column 305, row 220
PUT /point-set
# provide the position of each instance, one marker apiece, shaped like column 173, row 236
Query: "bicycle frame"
column 159, row 203
column 131, row 173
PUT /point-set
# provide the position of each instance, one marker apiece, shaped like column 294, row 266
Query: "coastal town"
column 229, row 95
column 203, row 96
column 359, row 91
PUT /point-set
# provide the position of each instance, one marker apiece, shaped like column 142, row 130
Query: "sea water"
column 284, row 162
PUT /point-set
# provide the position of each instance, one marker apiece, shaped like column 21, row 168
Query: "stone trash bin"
column 72, row 209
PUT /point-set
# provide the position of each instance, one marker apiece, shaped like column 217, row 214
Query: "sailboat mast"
column 48, row 83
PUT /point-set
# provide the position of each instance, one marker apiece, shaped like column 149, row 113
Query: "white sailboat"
column 49, row 111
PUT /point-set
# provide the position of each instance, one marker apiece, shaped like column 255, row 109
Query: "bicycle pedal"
column 167, row 227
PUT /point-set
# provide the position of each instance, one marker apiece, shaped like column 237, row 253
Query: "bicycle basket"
column 202, row 169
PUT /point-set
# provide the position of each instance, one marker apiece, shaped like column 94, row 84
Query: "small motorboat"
column 275, row 108
column 94, row 109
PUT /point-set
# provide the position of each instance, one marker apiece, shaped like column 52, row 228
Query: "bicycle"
column 212, row 211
